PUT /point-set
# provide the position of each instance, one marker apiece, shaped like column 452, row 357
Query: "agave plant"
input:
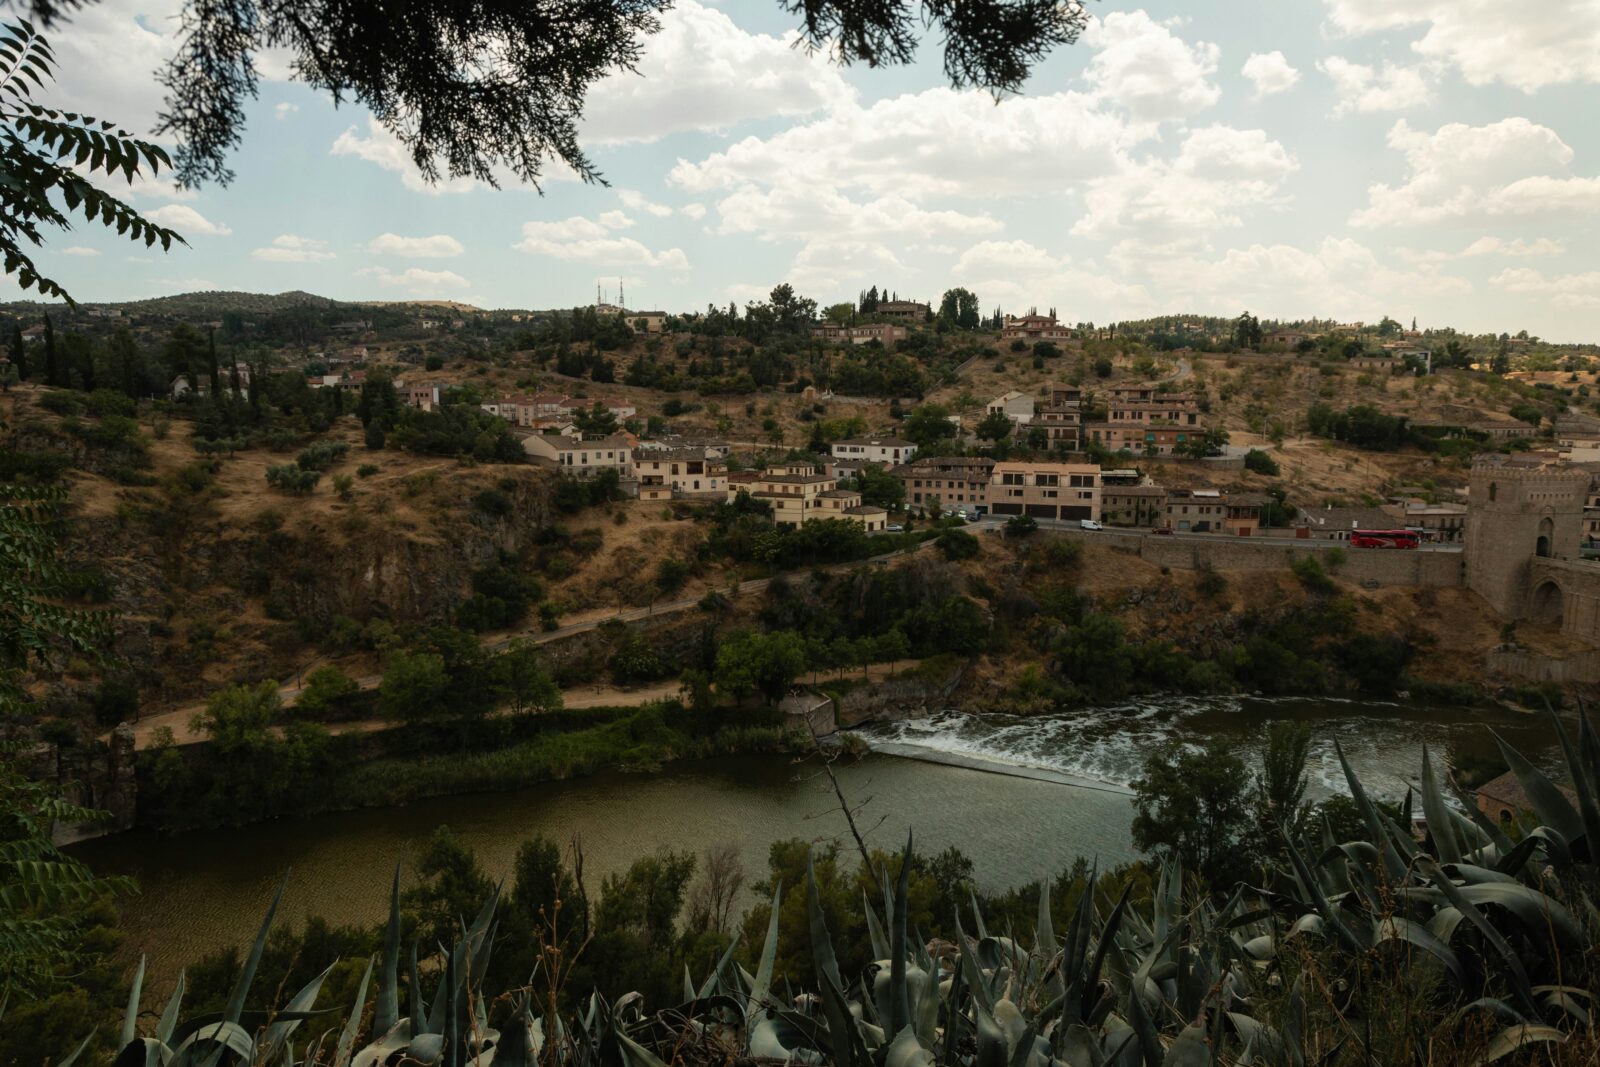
column 1181, row 980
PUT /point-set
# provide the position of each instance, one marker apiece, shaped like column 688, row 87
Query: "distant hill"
column 192, row 305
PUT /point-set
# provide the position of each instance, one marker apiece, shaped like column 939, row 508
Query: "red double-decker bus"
column 1384, row 538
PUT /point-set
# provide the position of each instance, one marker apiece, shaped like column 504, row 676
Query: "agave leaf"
column 1549, row 803
column 907, row 1051
column 926, row 1019
column 241, row 988
column 226, row 1036
column 1513, row 964
column 1044, row 934
column 169, row 1017
column 1400, row 929
column 975, row 977
column 387, row 1010
column 1190, row 1049
column 710, row 984
column 419, row 1004
column 635, row 1054
column 73, row 1056
column 1588, row 810
column 899, row 991
column 278, row 1032
column 992, row 1051
column 1515, row 1038
column 1370, row 815
column 352, row 1026
column 1440, row 826
column 1145, row 1029
column 761, row 986
column 130, row 1017
column 875, row 934
column 1308, row 884
column 843, row 1034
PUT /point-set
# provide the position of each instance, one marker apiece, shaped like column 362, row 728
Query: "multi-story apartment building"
column 1045, row 490
column 1447, row 523
column 953, row 481
column 886, row 450
column 1173, row 409
column 1063, row 425
column 665, row 474
column 1133, row 505
column 798, row 493
column 1139, row 439
column 584, row 459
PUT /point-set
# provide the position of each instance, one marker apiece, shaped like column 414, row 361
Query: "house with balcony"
column 584, row 459
column 950, row 481
column 680, row 473
column 1014, row 405
column 1035, row 327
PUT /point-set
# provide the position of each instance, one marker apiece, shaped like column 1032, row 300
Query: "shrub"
column 321, row 456
column 1258, row 461
column 327, row 691
column 957, row 544
column 290, row 478
column 495, row 503
column 1019, row 345
column 366, row 470
column 1309, row 570
column 343, row 484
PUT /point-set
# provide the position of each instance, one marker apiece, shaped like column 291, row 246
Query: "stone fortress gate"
column 1524, row 527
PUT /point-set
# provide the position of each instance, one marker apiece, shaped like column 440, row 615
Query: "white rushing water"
column 1108, row 744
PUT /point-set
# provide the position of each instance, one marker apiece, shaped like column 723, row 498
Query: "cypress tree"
column 52, row 372
column 19, row 350
column 211, row 362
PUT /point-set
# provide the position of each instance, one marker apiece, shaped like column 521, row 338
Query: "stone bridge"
column 1565, row 592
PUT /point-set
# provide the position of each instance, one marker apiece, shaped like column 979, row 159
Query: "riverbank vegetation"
column 1424, row 934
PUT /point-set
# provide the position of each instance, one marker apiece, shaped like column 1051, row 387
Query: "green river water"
column 204, row 890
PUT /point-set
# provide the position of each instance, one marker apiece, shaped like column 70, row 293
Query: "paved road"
column 1071, row 526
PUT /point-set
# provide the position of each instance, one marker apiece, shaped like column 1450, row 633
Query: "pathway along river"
column 1063, row 795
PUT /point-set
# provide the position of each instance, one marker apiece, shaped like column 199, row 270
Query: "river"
column 1062, row 795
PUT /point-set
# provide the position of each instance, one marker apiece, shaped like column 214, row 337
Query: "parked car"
column 1164, row 531
column 895, row 527
column 1089, row 524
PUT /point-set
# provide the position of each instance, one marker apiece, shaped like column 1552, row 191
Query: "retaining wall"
column 1580, row 667
column 1362, row 565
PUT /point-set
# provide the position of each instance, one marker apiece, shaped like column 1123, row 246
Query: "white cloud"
column 1515, row 248
column 1218, row 172
column 416, row 281
column 79, row 250
column 1367, row 89
column 694, row 211
column 805, row 213
column 384, row 149
column 834, row 268
column 581, row 240
column 1141, row 65
column 1019, row 274
column 1562, row 290
column 1513, row 168
column 1270, row 73
column 1339, row 276
column 615, row 220
column 938, row 142
column 634, row 200
column 1527, row 46
column 285, row 109
column 292, row 248
column 438, row 246
column 702, row 72
column 187, row 221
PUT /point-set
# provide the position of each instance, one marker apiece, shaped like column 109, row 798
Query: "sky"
column 1428, row 159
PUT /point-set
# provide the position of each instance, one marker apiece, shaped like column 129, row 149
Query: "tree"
column 42, row 888
column 1247, row 331
column 1194, row 804
column 325, row 690
column 1260, row 462
column 17, row 349
column 453, row 114
column 994, row 426
column 880, row 488
column 50, row 155
column 958, row 310
column 520, row 673
column 1280, row 783
column 415, row 689
column 794, row 314
column 595, row 421
column 928, row 423
column 752, row 662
